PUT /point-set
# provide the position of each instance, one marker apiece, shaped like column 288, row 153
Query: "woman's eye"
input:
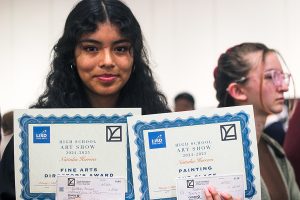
column 90, row 48
column 268, row 76
column 122, row 49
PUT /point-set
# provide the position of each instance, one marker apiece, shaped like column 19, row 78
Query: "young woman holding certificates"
column 251, row 73
column 100, row 62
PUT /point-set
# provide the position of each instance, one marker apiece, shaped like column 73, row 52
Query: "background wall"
column 185, row 39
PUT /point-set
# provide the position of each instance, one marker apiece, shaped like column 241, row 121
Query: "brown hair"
column 233, row 66
column 8, row 123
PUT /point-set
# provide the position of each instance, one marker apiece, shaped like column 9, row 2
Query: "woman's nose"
column 284, row 87
column 106, row 58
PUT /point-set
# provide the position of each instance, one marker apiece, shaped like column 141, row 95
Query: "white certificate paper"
column 90, row 188
column 78, row 142
column 208, row 142
column 193, row 188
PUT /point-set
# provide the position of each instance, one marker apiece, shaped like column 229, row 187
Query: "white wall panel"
column 185, row 39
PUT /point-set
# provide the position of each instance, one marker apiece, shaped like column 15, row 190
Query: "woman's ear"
column 237, row 92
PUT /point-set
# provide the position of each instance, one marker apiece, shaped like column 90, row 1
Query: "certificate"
column 90, row 188
column 71, row 142
column 208, row 142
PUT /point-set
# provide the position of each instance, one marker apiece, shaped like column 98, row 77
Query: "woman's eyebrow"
column 272, row 69
column 121, row 41
column 99, row 43
column 90, row 41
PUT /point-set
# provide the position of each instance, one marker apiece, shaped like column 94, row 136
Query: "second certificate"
column 214, row 142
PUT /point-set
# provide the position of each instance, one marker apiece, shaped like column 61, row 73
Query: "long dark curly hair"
column 64, row 86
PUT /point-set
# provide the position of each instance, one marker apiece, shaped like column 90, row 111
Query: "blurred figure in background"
column 7, row 127
column 7, row 174
column 183, row 102
column 251, row 74
column 292, row 141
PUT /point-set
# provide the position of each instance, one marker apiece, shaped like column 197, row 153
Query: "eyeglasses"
column 278, row 78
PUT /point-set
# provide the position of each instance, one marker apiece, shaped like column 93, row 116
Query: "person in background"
column 100, row 61
column 292, row 141
column 183, row 102
column 251, row 73
column 7, row 127
column 7, row 174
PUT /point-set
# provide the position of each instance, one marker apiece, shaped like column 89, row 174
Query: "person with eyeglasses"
column 251, row 73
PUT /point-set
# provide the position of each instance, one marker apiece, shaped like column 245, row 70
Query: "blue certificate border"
column 24, row 123
column 241, row 117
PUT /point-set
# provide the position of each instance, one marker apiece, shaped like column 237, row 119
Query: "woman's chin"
column 277, row 109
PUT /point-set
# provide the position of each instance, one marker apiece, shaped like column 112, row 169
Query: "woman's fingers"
column 207, row 194
column 226, row 196
column 212, row 194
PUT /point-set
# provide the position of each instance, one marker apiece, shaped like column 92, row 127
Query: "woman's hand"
column 212, row 194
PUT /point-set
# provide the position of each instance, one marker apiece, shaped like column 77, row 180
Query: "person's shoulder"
column 276, row 147
column 7, row 174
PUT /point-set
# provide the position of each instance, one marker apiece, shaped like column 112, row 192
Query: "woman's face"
column 260, row 82
column 104, row 61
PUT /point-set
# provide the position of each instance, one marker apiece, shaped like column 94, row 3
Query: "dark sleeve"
column 292, row 142
column 7, row 173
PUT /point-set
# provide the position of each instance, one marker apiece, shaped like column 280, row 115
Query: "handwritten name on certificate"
column 71, row 142
column 90, row 188
column 193, row 188
column 204, row 143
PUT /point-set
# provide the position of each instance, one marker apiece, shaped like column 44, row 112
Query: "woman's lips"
column 107, row 78
column 280, row 99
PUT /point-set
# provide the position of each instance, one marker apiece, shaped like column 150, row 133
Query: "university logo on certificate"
column 69, row 142
column 205, row 143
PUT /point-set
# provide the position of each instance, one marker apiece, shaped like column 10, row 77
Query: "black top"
column 7, row 173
